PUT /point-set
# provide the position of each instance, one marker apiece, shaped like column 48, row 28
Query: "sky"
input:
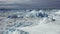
column 30, row 3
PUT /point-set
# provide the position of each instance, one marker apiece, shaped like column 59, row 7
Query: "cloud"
column 13, row 1
column 44, row 2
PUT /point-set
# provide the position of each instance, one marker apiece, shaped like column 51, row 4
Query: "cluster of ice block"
column 14, row 31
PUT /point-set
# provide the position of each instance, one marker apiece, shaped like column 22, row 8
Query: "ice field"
column 30, row 21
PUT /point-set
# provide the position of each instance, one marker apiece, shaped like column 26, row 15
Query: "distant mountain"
column 25, row 6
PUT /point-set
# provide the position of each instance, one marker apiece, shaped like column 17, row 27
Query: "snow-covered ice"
column 30, row 22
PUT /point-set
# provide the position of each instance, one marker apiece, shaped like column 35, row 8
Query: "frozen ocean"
column 30, row 21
